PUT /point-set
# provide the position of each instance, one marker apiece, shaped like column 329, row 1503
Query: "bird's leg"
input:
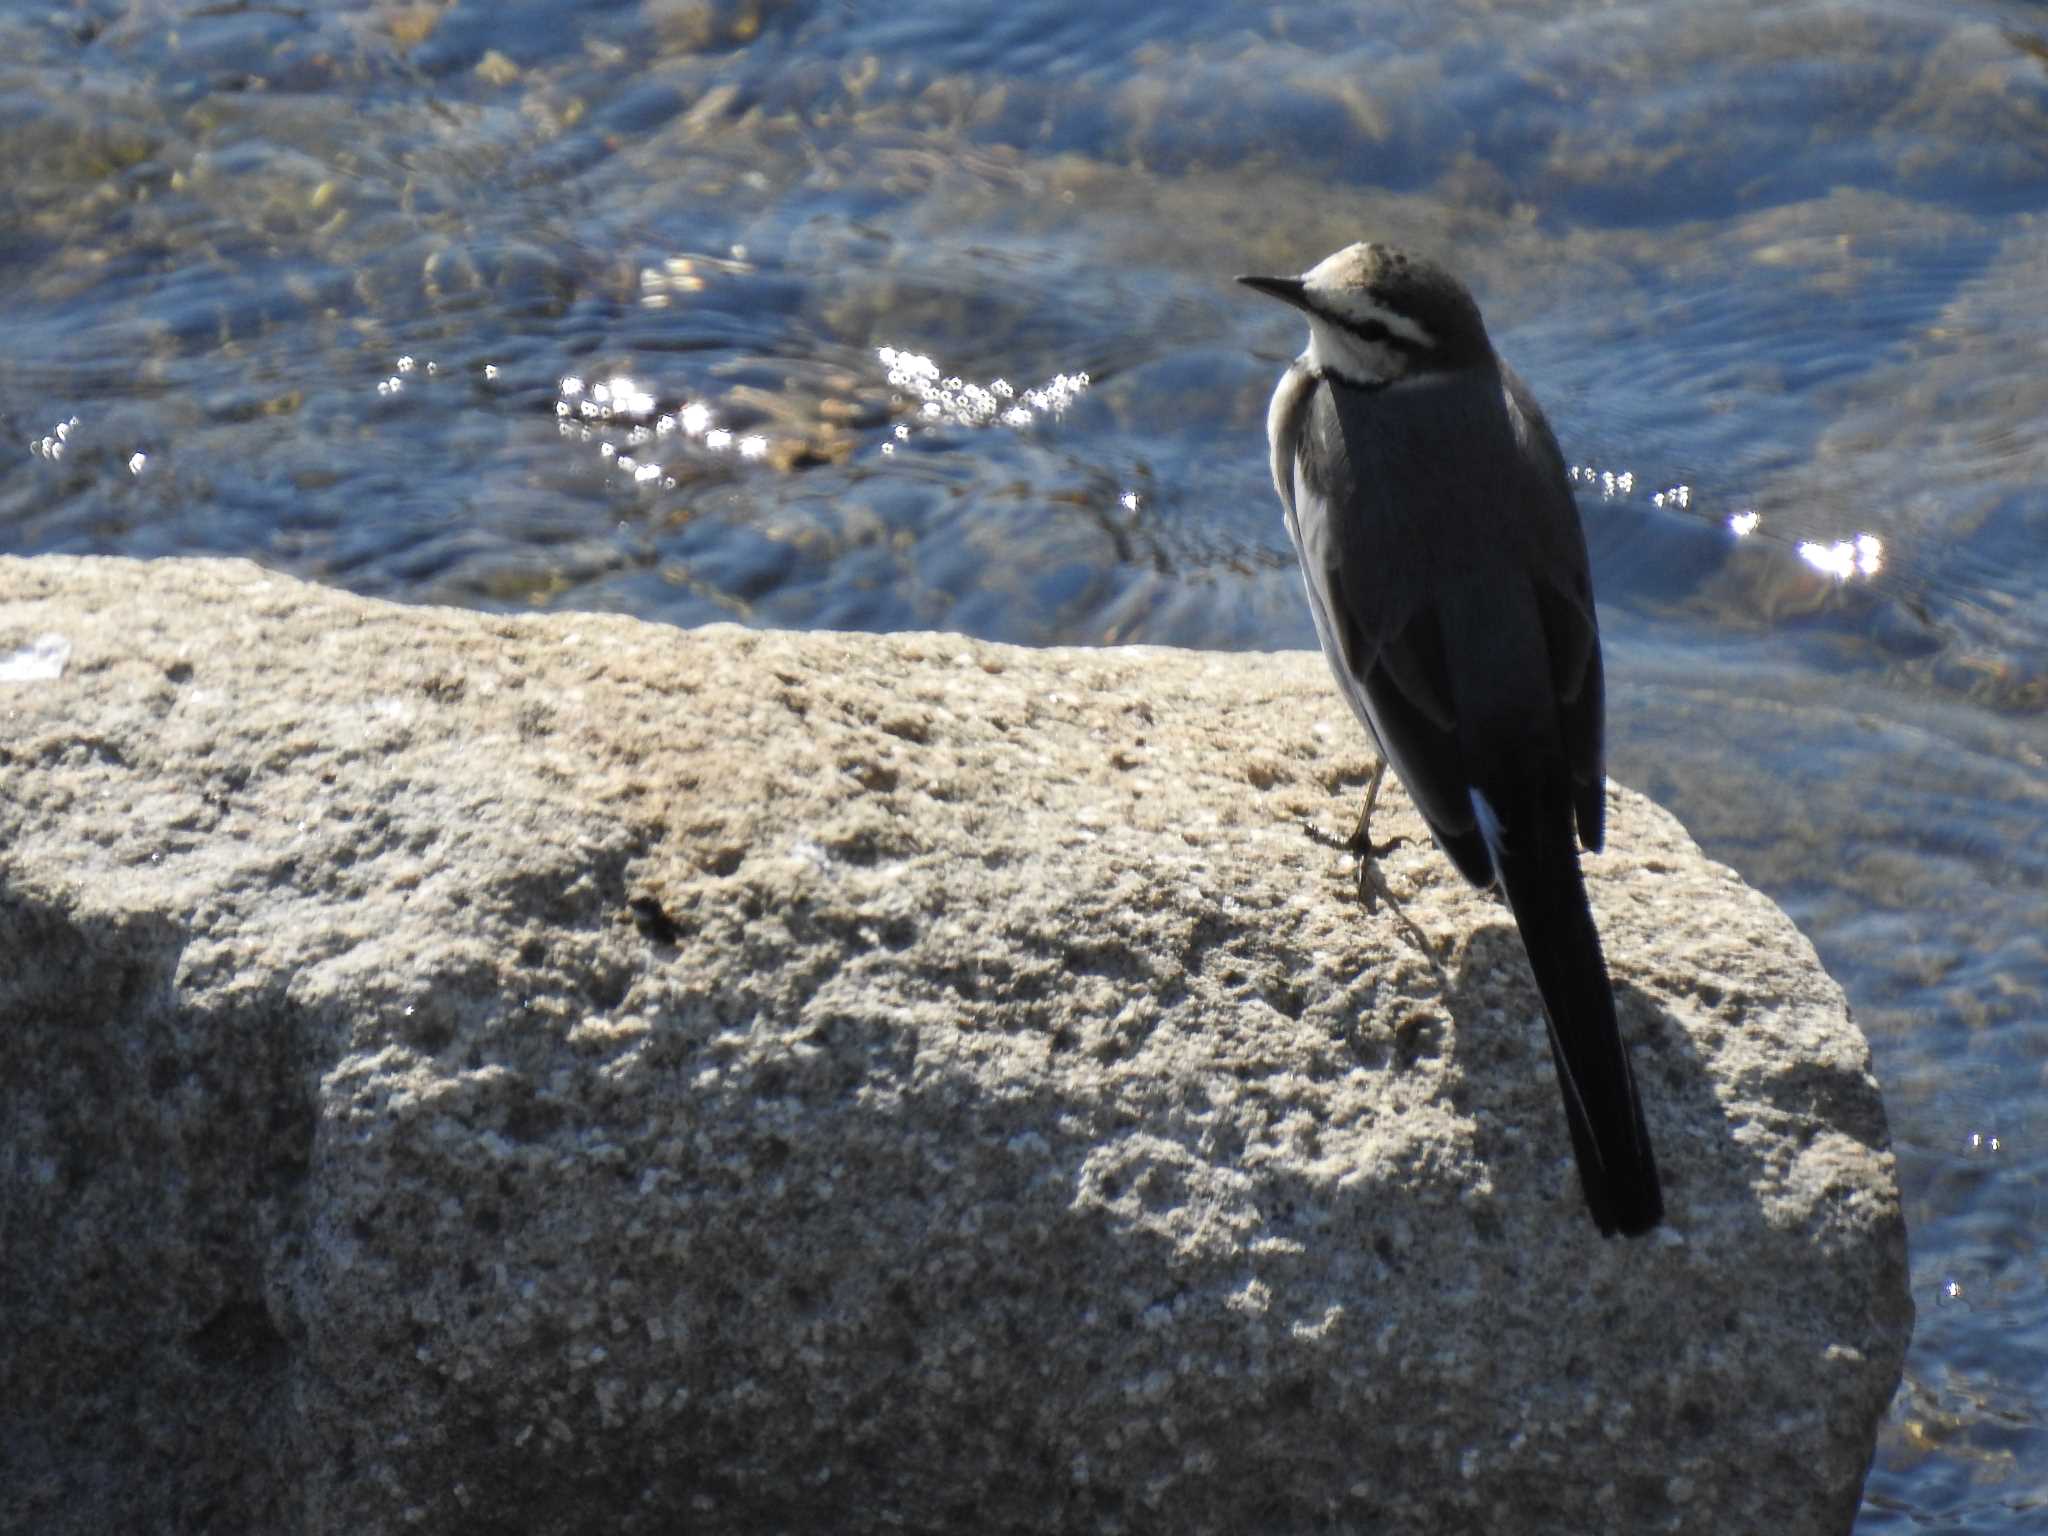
column 1372, row 885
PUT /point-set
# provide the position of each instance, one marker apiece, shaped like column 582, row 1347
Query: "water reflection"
column 51, row 444
column 1860, row 556
column 952, row 401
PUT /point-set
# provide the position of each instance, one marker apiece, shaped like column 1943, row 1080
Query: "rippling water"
column 896, row 316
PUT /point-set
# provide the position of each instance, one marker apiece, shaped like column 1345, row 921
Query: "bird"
column 1446, row 570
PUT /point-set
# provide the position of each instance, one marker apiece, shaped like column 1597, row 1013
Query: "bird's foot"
column 1372, row 885
column 1372, row 881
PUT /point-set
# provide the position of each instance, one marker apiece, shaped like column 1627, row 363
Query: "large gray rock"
column 560, row 1074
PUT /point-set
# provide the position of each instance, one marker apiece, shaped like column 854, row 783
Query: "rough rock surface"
column 468, row 1073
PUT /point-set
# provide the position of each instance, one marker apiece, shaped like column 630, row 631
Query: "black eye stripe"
column 1376, row 331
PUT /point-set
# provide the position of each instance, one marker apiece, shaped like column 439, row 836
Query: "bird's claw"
column 1366, row 851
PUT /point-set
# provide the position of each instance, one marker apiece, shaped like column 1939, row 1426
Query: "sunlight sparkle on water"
column 620, row 395
column 404, row 368
column 620, row 414
column 1860, row 556
column 951, row 401
column 1610, row 484
column 51, row 444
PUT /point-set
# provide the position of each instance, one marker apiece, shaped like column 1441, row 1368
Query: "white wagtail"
column 1447, row 575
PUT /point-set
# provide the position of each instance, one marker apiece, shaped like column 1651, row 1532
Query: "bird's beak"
column 1288, row 290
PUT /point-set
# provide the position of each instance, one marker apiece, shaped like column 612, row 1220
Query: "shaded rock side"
column 547, row 1074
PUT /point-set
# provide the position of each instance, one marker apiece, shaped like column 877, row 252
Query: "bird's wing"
column 1556, row 543
column 1367, row 588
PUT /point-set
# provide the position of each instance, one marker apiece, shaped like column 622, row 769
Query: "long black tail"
column 1538, row 863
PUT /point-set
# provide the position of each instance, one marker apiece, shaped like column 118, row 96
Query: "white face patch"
column 1334, row 350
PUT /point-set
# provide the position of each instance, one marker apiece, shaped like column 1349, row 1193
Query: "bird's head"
column 1376, row 315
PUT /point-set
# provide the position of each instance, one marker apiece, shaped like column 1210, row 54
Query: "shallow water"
column 400, row 297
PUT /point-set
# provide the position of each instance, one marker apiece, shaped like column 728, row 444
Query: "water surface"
column 585, row 306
